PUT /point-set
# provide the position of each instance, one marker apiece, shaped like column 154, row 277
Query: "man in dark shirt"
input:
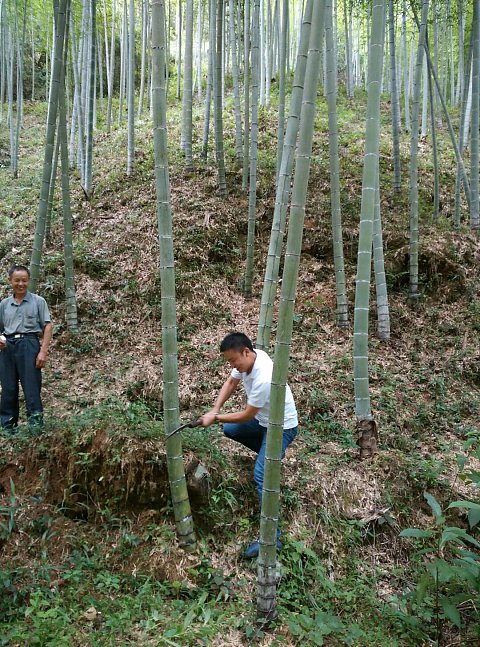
column 24, row 318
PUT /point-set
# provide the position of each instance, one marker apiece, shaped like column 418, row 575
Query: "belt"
column 19, row 335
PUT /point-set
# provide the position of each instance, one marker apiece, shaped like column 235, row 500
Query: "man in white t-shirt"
column 252, row 367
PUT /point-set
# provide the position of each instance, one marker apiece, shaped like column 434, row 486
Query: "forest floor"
column 88, row 554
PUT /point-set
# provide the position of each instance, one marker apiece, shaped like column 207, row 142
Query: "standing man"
column 254, row 369
column 24, row 318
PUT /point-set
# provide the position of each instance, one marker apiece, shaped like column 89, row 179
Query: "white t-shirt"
column 257, row 386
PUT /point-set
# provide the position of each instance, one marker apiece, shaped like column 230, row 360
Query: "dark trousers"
column 17, row 365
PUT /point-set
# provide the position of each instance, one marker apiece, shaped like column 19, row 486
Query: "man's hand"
column 41, row 359
column 208, row 418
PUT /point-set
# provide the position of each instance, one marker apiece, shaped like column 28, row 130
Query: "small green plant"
column 7, row 515
column 448, row 587
column 467, row 461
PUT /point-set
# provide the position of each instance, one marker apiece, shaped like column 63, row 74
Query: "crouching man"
column 252, row 367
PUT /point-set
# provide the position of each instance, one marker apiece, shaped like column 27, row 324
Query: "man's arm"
column 226, row 391
column 246, row 415
column 46, row 339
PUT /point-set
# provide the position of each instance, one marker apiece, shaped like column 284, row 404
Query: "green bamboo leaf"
column 188, row 618
column 450, row 611
column 473, row 508
column 465, row 504
column 474, row 476
column 416, row 532
column 433, row 503
column 457, row 535
column 473, row 517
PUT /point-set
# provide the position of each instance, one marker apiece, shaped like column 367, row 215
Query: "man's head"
column 237, row 349
column 19, row 277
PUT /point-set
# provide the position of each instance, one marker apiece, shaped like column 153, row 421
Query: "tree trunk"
column 474, row 153
column 91, row 103
column 397, row 182
column 131, row 89
column 283, row 188
column 252, row 194
column 413, row 265
column 365, row 424
column 336, row 217
column 246, row 89
column 436, row 198
column 383, row 313
column 78, row 95
column 176, row 473
column 179, row 47
column 112, row 68
column 217, row 103
column 123, row 61
column 143, row 64
column 70, row 297
column 348, row 55
column 281, row 86
column 464, row 99
column 187, row 87
column 51, row 193
column 236, row 87
column 210, row 73
column 267, row 575
column 49, row 148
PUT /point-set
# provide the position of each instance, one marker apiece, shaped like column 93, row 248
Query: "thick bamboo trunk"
column 413, row 262
column 252, row 192
column 49, row 148
column 187, row 87
column 236, row 86
column 246, row 91
column 474, row 147
column 217, row 102
column 397, row 182
column 210, row 73
column 70, row 296
column 281, row 84
column 336, row 216
column 365, row 424
column 131, row 89
column 283, row 188
column 267, row 571
column 176, row 473
column 112, row 67
column 88, row 187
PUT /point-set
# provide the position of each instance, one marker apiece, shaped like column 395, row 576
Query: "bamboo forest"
column 198, row 193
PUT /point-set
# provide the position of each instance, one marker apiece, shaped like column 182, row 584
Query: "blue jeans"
column 252, row 435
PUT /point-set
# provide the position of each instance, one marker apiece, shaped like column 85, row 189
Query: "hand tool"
column 195, row 422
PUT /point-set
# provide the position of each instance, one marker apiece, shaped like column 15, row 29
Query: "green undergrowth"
column 112, row 573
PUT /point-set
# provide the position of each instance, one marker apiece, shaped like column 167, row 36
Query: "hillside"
column 88, row 548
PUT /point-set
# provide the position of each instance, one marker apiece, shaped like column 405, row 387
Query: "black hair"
column 18, row 268
column 236, row 341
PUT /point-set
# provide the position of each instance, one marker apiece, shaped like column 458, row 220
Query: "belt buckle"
column 18, row 336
